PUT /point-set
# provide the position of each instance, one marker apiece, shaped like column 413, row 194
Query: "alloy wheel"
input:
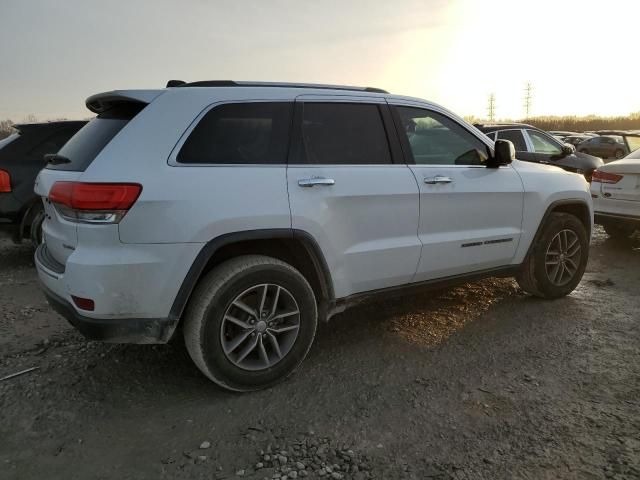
column 260, row 327
column 562, row 259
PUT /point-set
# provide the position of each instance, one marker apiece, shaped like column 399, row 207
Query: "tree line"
column 573, row 123
column 568, row 123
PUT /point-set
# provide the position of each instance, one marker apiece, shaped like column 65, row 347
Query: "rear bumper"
column 117, row 330
column 133, row 288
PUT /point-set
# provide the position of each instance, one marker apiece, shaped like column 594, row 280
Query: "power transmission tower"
column 491, row 108
column 528, row 98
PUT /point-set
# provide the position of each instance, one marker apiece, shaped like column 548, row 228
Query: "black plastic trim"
column 411, row 288
column 549, row 211
column 233, row 83
column 608, row 217
column 116, row 330
column 46, row 259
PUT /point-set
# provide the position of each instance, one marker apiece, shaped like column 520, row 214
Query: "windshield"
column 6, row 141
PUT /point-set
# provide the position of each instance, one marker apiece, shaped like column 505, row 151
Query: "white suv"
column 240, row 214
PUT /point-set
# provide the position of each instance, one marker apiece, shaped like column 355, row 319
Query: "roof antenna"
column 175, row 83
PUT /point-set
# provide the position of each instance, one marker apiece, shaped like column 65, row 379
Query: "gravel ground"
column 479, row 381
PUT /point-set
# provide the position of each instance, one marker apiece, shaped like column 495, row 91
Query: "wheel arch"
column 296, row 247
column 576, row 207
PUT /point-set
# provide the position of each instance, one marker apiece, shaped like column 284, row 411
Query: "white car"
column 616, row 196
column 240, row 214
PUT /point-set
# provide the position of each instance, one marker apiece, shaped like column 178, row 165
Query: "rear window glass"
column 240, row 133
column 343, row 134
column 85, row 145
column 516, row 137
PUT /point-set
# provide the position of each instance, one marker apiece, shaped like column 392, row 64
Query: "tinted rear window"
column 516, row 137
column 343, row 134
column 85, row 145
column 240, row 133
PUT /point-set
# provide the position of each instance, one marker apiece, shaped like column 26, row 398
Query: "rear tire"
column 35, row 230
column 236, row 312
column 619, row 154
column 558, row 260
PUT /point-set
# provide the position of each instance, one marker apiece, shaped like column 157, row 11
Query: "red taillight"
column 95, row 196
column 94, row 202
column 605, row 177
column 5, row 181
column 84, row 303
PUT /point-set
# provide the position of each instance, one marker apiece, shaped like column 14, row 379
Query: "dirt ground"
column 475, row 382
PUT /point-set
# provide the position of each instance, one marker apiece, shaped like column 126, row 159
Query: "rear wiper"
column 55, row 159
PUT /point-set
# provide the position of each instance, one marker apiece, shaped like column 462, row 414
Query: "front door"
column 352, row 192
column 470, row 215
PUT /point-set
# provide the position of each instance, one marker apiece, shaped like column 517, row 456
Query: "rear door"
column 60, row 236
column 470, row 215
column 349, row 189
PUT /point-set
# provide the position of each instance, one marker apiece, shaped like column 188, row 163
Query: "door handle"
column 437, row 179
column 313, row 181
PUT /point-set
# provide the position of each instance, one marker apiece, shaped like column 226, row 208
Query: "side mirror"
column 504, row 154
column 568, row 149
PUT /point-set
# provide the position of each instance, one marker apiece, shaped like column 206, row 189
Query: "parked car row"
column 535, row 145
column 21, row 158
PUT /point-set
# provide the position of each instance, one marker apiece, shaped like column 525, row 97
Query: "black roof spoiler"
column 101, row 102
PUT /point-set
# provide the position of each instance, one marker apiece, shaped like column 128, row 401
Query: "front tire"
column 558, row 260
column 250, row 322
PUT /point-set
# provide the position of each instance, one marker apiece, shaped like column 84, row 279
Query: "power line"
column 528, row 99
column 491, row 108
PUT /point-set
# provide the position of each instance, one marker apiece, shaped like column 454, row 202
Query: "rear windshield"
column 85, row 145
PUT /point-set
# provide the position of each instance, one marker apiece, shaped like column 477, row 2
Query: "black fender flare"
column 552, row 206
column 211, row 247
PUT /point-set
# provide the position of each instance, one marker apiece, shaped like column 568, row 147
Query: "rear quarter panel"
column 187, row 203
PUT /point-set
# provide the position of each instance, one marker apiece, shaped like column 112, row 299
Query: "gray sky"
column 455, row 52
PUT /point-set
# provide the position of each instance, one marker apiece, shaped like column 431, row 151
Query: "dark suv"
column 535, row 145
column 21, row 158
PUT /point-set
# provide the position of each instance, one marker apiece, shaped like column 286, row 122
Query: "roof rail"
column 233, row 83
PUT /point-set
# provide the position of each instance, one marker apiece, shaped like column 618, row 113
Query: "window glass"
column 634, row 144
column 437, row 140
column 516, row 137
column 52, row 144
column 91, row 139
column 343, row 133
column 240, row 133
column 491, row 135
column 543, row 144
